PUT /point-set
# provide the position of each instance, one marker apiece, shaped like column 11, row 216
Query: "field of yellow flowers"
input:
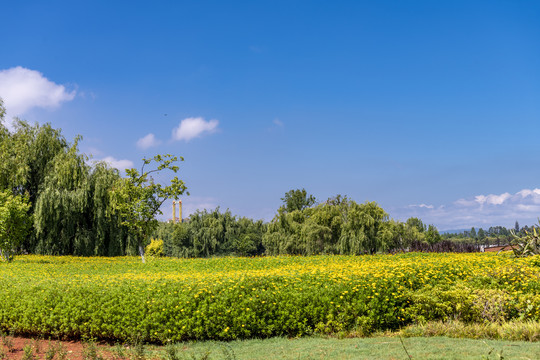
column 231, row 298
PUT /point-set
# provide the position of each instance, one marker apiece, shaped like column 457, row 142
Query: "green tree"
column 137, row 198
column 14, row 223
column 297, row 200
column 337, row 226
column 481, row 234
column 69, row 198
column 26, row 155
column 74, row 214
column 432, row 235
column 417, row 223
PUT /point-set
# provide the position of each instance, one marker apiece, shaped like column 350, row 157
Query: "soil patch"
column 14, row 348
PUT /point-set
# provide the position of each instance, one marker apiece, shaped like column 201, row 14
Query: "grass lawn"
column 361, row 348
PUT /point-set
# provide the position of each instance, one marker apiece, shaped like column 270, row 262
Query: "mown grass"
column 353, row 348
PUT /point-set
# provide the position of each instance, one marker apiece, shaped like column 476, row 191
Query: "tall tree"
column 417, row 223
column 481, row 234
column 297, row 200
column 137, row 198
column 432, row 235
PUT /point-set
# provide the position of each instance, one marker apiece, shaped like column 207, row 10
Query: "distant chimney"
column 174, row 212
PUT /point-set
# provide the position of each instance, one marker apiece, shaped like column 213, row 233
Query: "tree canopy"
column 14, row 223
column 297, row 200
column 68, row 197
column 137, row 198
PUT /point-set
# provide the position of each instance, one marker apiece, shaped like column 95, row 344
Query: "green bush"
column 155, row 248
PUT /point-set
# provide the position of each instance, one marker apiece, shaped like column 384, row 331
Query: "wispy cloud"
column 23, row 89
column 278, row 122
column 194, row 127
column 119, row 164
column 480, row 210
column 422, row 206
column 148, row 141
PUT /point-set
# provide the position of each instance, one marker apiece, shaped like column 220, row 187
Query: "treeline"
column 301, row 227
column 70, row 209
column 212, row 233
column 71, row 212
column 494, row 235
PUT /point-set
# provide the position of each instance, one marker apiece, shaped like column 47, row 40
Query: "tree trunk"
column 141, row 251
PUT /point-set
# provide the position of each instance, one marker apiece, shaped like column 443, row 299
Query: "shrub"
column 228, row 298
column 526, row 245
column 155, row 248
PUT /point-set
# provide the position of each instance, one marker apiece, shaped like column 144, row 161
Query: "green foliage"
column 432, row 235
column 2, row 110
column 237, row 298
column 526, row 245
column 74, row 214
column 137, row 198
column 90, row 352
column 416, row 223
column 69, row 199
column 155, row 248
column 26, row 155
column 14, row 223
column 338, row 226
column 210, row 233
column 50, row 353
column 28, row 352
column 297, row 200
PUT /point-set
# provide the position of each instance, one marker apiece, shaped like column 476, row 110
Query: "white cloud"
column 532, row 193
column 193, row 127
column 492, row 199
column 278, row 122
column 463, row 202
column 480, row 210
column 119, row 164
column 23, row 89
column 422, row 206
column 148, row 141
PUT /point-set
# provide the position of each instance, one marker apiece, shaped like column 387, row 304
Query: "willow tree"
column 73, row 212
column 112, row 238
column 137, row 198
column 337, row 226
column 14, row 223
column 26, row 155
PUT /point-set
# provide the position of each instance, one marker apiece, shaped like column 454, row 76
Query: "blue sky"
column 429, row 108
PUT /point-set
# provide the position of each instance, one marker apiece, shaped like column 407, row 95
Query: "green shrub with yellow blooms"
column 155, row 248
column 228, row 298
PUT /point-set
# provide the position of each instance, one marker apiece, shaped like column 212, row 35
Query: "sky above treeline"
column 429, row 108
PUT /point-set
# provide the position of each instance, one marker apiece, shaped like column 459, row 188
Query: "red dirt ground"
column 74, row 349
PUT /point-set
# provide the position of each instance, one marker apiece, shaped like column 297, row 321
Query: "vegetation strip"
column 239, row 298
